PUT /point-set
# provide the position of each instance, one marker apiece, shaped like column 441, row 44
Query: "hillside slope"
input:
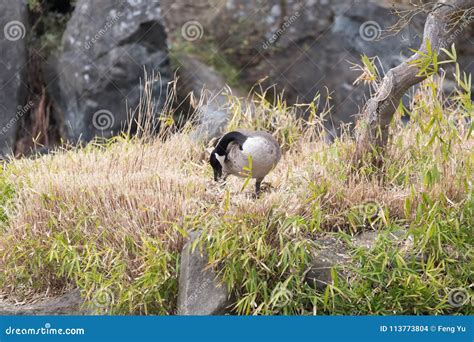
column 111, row 218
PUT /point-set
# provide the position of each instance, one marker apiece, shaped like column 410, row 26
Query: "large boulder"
column 13, row 57
column 210, row 92
column 307, row 47
column 99, row 70
column 301, row 46
column 200, row 291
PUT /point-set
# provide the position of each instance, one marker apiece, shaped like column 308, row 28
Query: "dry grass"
column 119, row 198
column 131, row 189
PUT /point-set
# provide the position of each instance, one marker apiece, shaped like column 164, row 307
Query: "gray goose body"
column 235, row 149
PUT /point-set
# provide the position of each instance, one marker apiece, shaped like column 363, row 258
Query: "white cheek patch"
column 220, row 159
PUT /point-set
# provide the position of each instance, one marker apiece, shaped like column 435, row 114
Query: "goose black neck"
column 237, row 137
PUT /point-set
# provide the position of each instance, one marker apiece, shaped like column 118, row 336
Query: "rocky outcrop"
column 307, row 47
column 200, row 292
column 210, row 96
column 99, row 70
column 302, row 46
column 13, row 57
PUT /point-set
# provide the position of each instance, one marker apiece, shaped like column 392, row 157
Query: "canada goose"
column 237, row 150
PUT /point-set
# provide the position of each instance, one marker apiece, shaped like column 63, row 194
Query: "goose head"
column 219, row 154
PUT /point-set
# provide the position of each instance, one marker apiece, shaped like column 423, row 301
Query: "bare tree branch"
column 372, row 127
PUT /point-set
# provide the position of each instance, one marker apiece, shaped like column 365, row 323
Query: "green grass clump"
column 7, row 192
column 263, row 261
column 62, row 261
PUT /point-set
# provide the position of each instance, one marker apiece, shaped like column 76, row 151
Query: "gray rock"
column 399, row 238
column 367, row 239
column 330, row 254
column 67, row 304
column 464, row 42
column 177, row 12
column 318, row 53
column 200, row 293
column 13, row 56
column 319, row 274
column 208, row 88
column 105, row 49
column 301, row 46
